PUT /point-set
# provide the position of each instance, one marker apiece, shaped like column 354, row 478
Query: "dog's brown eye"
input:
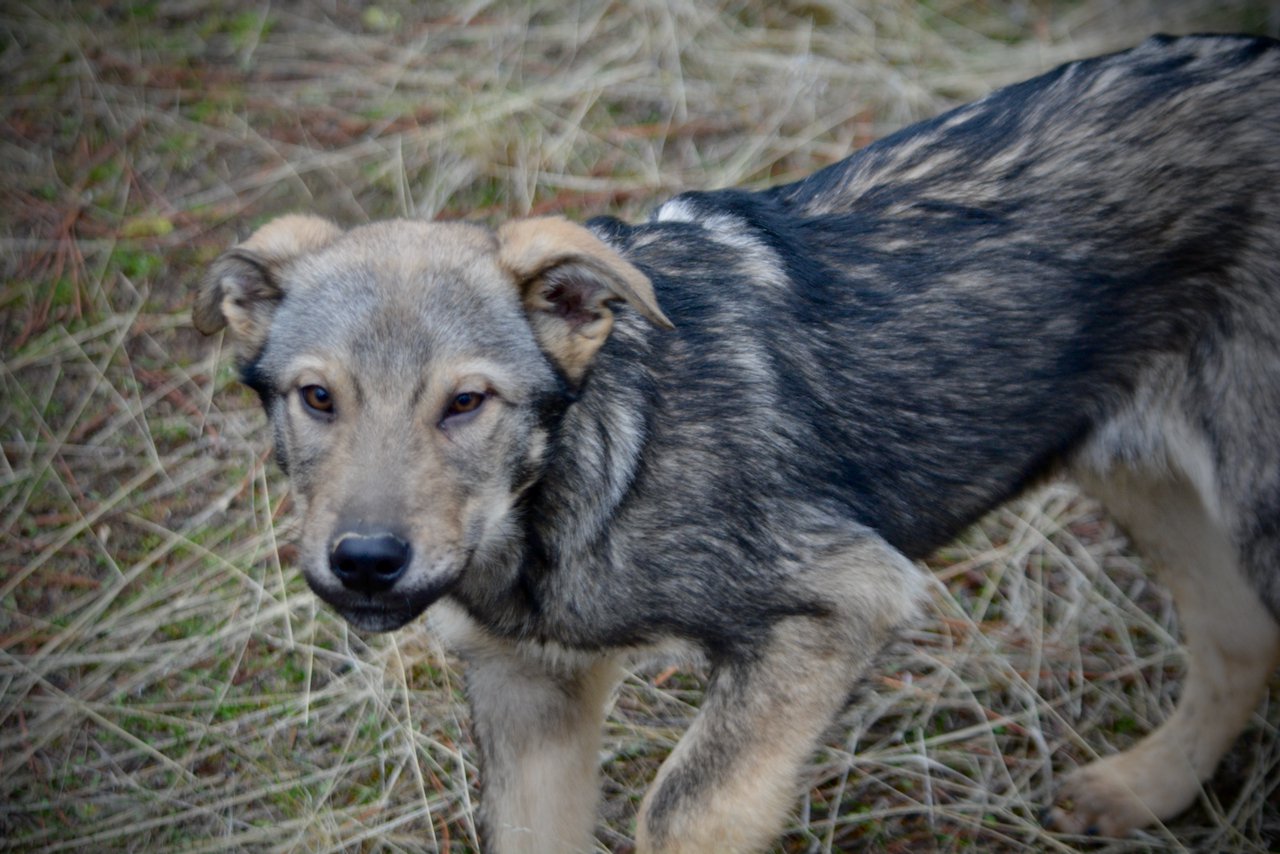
column 317, row 398
column 468, row 401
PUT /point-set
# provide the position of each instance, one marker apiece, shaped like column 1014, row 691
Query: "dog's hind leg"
column 538, row 725
column 730, row 781
column 1232, row 644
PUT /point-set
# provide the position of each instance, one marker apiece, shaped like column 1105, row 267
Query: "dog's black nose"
column 369, row 563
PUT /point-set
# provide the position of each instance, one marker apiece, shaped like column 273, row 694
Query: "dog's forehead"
column 407, row 258
column 401, row 292
column 414, row 272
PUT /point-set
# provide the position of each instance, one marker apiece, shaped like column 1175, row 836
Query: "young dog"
column 732, row 428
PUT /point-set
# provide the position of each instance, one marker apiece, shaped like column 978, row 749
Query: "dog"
column 735, row 427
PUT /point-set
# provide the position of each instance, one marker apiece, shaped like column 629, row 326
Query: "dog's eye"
column 467, row 401
column 317, row 398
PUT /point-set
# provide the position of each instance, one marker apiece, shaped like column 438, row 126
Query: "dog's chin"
column 382, row 612
column 376, row 619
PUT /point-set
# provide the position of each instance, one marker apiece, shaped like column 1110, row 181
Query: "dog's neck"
column 560, row 538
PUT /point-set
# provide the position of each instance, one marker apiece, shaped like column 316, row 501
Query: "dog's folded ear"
column 567, row 277
column 243, row 286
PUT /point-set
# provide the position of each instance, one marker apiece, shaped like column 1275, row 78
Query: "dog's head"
column 405, row 368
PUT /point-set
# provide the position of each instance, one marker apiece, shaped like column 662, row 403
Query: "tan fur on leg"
column 538, row 724
column 1233, row 645
column 730, row 781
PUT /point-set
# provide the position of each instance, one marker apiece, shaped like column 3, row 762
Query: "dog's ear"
column 567, row 277
column 243, row 286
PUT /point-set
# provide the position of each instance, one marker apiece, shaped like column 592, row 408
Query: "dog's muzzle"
column 369, row 562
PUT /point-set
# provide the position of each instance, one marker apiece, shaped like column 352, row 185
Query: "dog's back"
column 957, row 307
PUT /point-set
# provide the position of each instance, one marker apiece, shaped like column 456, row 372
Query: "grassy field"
column 166, row 680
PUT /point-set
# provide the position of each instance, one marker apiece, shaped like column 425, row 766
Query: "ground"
column 166, row 680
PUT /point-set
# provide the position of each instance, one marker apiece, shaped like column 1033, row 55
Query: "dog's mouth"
column 376, row 619
column 384, row 611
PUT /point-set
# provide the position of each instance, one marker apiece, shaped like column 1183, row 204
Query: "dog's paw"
column 1102, row 799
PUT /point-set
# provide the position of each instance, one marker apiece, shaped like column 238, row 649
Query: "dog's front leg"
column 537, row 722
column 729, row 783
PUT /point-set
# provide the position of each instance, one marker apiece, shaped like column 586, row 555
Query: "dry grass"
column 166, row 682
